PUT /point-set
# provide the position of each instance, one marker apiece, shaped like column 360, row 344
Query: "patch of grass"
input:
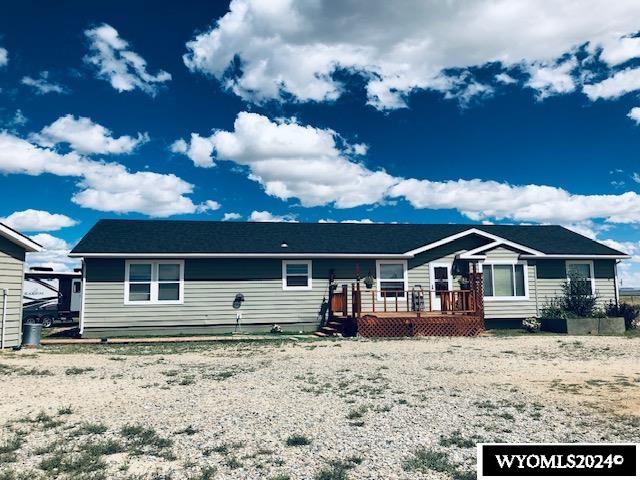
column 8, row 449
column 104, row 447
column 21, row 475
column 89, row 428
column 207, row 472
column 67, row 410
column 233, row 463
column 189, row 380
column 11, row 445
column 78, row 370
column 357, row 412
column 486, row 404
column 297, row 441
column 425, row 460
column 34, row 372
column 506, row 416
column 9, row 369
column 142, row 440
column 338, row 469
column 457, row 439
column 76, row 465
column 43, row 420
column 189, row 430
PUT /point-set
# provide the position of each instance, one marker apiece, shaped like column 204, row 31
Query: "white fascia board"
column 577, row 257
column 19, row 239
column 239, row 255
column 496, row 239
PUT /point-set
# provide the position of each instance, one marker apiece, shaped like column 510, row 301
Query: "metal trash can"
column 31, row 334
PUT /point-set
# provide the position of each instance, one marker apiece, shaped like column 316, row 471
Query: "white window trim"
column 379, row 280
column 154, row 283
column 309, row 264
column 525, row 272
column 592, row 273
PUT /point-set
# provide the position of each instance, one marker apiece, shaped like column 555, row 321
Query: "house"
column 13, row 246
column 180, row 277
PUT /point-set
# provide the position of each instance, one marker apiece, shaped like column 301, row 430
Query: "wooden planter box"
column 583, row 326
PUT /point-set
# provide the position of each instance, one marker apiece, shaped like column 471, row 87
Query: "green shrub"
column 552, row 309
column 577, row 297
column 626, row 310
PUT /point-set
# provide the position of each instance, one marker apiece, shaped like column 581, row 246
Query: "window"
column 504, row 281
column 392, row 278
column 160, row 281
column 582, row 270
column 296, row 275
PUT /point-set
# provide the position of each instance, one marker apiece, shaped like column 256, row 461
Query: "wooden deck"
column 401, row 313
column 413, row 314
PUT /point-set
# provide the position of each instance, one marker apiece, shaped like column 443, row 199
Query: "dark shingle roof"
column 185, row 236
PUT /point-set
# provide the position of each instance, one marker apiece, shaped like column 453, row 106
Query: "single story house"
column 180, row 277
column 13, row 246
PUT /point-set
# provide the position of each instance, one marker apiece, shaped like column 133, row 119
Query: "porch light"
column 368, row 281
column 284, row 244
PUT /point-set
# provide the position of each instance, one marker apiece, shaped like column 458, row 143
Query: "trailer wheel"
column 47, row 321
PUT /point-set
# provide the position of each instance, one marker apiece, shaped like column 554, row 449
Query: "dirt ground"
column 297, row 408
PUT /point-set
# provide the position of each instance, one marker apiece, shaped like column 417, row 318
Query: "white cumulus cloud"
column 295, row 161
column 208, row 206
column 4, row 57
column 553, row 79
column 634, row 114
column 265, row 216
column 288, row 50
column 229, row 216
column 120, row 66
column 85, row 136
column 42, row 85
column 198, row 149
column 107, row 187
column 621, row 83
column 54, row 255
column 314, row 165
column 31, row 220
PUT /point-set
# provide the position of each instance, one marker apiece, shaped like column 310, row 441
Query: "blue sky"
column 320, row 111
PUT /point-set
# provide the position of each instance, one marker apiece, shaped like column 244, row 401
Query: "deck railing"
column 417, row 300
column 465, row 302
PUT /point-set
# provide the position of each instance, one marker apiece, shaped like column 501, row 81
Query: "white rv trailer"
column 50, row 296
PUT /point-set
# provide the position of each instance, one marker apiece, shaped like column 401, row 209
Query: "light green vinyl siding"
column 11, row 278
column 209, row 290
column 516, row 308
column 552, row 275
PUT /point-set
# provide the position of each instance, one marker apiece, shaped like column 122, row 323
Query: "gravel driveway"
column 304, row 409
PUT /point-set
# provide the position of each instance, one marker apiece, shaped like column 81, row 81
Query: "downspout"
column 535, row 286
column 83, row 286
column 5, row 294
column 615, row 281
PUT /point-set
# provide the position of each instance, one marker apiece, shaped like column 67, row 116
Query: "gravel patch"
column 348, row 408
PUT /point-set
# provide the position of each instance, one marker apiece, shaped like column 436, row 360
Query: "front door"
column 440, row 282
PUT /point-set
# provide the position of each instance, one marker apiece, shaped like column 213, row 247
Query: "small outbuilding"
column 13, row 247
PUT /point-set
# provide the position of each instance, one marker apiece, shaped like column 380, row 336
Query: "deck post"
column 345, row 300
column 332, row 289
column 373, row 300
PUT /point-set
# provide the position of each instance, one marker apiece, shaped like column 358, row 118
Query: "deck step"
column 329, row 330
column 320, row 334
